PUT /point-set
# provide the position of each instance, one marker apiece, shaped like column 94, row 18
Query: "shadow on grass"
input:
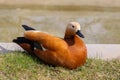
column 36, row 59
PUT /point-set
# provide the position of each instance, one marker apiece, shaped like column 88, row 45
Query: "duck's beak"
column 80, row 34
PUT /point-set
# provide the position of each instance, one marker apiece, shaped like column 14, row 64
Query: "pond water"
column 97, row 26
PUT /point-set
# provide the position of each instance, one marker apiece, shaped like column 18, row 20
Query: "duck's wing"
column 48, row 41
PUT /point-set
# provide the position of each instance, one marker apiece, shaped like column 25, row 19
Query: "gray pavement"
column 99, row 51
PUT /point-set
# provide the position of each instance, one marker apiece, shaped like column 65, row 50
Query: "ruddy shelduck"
column 70, row 52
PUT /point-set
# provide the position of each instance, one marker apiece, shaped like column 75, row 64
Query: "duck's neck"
column 69, row 36
column 69, row 39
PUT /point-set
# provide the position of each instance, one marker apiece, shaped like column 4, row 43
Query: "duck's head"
column 73, row 28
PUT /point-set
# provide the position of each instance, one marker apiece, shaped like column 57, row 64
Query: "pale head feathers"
column 74, row 25
column 72, row 28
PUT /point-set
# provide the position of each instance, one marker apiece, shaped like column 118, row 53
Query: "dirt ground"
column 102, row 3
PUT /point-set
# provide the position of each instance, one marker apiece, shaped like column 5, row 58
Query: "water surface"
column 98, row 27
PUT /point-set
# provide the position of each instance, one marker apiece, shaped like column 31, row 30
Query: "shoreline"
column 68, row 5
column 60, row 7
column 102, row 3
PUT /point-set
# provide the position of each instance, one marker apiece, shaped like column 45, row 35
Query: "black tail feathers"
column 27, row 28
column 32, row 44
column 21, row 40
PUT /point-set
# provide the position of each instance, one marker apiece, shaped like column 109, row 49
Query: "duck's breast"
column 79, row 51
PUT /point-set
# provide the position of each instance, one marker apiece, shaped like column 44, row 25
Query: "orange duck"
column 69, row 52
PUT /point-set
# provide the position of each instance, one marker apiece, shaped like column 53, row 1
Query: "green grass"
column 21, row 66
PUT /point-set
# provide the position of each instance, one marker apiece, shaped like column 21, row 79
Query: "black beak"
column 79, row 34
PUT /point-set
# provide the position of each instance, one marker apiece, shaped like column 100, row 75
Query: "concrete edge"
column 99, row 51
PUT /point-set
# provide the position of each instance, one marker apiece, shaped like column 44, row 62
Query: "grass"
column 22, row 66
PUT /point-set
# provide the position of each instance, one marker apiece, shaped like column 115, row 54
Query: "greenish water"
column 97, row 26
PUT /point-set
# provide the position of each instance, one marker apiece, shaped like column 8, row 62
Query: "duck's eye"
column 73, row 26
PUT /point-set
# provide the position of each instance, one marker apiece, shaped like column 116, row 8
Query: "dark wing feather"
column 27, row 28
